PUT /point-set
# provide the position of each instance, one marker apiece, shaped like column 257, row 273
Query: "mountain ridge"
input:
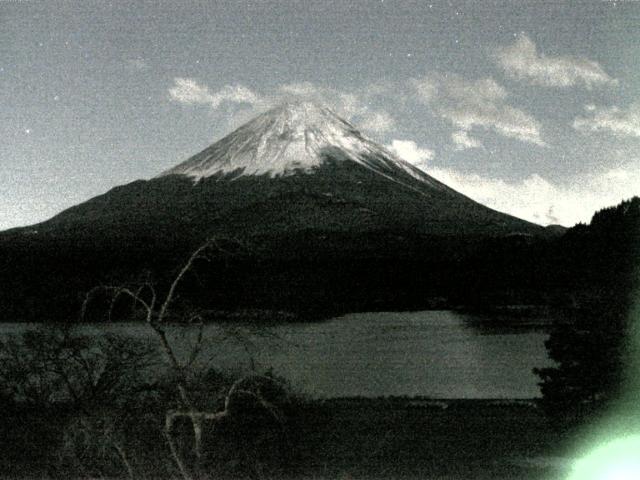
column 348, row 228
column 307, row 154
column 284, row 140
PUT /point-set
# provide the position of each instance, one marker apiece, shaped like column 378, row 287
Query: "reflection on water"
column 439, row 354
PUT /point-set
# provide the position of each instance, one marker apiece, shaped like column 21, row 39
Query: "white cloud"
column 189, row 91
column 236, row 94
column 351, row 106
column 469, row 104
column 377, row 122
column 462, row 140
column 523, row 62
column 541, row 201
column 615, row 120
column 427, row 88
column 300, row 89
column 408, row 150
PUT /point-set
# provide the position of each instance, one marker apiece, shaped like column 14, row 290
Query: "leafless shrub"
column 264, row 392
column 98, row 379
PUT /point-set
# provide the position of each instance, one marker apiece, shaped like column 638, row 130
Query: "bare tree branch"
column 156, row 316
column 199, row 253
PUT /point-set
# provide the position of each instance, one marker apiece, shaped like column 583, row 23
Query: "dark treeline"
column 314, row 275
column 593, row 349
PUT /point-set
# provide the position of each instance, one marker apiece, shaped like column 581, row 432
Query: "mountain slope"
column 292, row 138
column 297, row 167
column 333, row 223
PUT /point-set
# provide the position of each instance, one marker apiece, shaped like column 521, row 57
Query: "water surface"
column 439, row 354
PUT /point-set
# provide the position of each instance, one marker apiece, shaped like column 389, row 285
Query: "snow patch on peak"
column 294, row 137
column 286, row 139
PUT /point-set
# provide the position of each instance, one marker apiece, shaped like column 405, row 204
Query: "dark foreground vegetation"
column 351, row 438
column 80, row 406
column 373, row 245
column 365, row 440
column 76, row 406
column 309, row 273
column 595, row 350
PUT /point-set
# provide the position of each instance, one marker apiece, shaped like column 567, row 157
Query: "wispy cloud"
column 533, row 197
column 408, row 150
column 522, row 61
column 462, row 140
column 352, row 106
column 614, row 120
column 539, row 200
column 377, row 122
column 469, row 104
column 189, row 91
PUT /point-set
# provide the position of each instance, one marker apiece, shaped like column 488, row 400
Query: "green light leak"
column 617, row 460
column 632, row 388
column 615, row 453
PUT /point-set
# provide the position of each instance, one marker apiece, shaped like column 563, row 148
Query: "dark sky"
column 530, row 107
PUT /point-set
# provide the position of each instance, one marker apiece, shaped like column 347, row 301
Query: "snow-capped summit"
column 295, row 137
column 295, row 168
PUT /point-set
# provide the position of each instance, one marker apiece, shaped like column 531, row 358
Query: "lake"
column 438, row 354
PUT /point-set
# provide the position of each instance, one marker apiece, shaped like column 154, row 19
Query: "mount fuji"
column 292, row 138
column 324, row 210
column 296, row 168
